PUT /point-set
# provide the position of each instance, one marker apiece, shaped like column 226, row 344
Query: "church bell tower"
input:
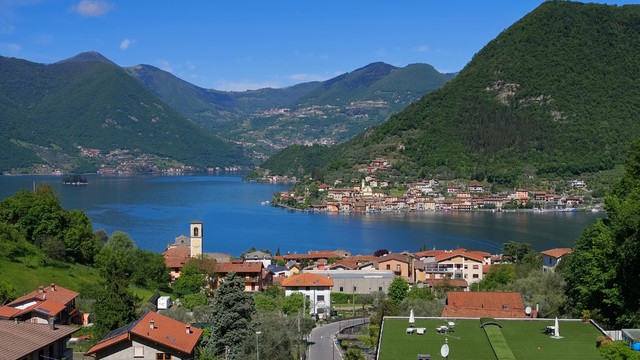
column 195, row 238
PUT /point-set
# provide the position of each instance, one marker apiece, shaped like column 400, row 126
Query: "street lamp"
column 257, row 349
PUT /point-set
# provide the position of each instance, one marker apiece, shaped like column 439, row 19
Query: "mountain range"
column 552, row 96
column 87, row 113
column 322, row 112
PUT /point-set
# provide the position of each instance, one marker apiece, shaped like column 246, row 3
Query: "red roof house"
column 551, row 258
column 43, row 305
column 151, row 336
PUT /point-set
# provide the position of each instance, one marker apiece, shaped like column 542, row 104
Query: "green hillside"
column 48, row 111
column 327, row 112
column 555, row 94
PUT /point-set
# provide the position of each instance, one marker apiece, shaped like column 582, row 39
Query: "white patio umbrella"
column 556, row 329
column 412, row 318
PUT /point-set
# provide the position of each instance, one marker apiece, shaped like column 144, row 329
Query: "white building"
column 315, row 288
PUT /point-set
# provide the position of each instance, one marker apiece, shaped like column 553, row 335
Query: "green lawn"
column 469, row 341
column 26, row 275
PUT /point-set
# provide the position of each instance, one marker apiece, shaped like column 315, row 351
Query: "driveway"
column 322, row 343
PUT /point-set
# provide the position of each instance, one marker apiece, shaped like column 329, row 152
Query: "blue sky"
column 239, row 45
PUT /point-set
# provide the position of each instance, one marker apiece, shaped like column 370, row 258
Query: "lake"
column 154, row 210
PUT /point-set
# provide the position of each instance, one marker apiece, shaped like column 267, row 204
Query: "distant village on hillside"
column 370, row 194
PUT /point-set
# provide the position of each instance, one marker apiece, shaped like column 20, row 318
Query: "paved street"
column 322, row 340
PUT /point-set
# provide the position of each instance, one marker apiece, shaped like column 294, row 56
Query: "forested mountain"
column 555, row 94
column 326, row 112
column 49, row 113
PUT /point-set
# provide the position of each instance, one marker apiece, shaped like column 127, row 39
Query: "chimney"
column 188, row 328
column 53, row 287
column 40, row 289
column 152, row 324
column 16, row 320
column 52, row 323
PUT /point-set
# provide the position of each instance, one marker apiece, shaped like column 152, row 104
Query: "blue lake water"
column 154, row 210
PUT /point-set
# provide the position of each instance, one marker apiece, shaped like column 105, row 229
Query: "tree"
column 115, row 306
column 79, row 239
column 231, row 315
column 353, row 354
column 7, row 292
column 191, row 301
column 293, row 303
column 398, row 289
column 602, row 272
column 191, row 280
column 515, row 251
column 618, row 350
column 116, row 260
column 499, row 277
column 150, row 270
column 380, row 252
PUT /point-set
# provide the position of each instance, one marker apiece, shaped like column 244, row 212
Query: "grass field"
column 26, row 275
column 469, row 341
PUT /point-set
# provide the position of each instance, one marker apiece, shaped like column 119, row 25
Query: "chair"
column 410, row 330
column 421, row 330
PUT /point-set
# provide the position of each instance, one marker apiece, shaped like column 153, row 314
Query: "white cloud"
column 10, row 48
column 244, row 85
column 422, row 48
column 92, row 8
column 124, row 44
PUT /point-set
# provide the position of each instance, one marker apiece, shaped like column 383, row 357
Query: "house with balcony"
column 459, row 264
column 400, row 264
column 254, row 275
column 255, row 256
column 52, row 304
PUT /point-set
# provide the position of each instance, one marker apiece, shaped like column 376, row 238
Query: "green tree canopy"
column 398, row 290
column 231, row 315
column 603, row 272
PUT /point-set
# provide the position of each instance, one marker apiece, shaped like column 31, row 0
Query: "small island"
column 75, row 180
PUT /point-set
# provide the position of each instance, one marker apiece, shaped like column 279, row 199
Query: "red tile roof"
column 55, row 293
column 428, row 253
column 558, row 252
column 243, row 267
column 484, row 304
column 459, row 252
column 166, row 331
column 307, row 279
column 176, row 257
column 312, row 255
column 394, row 256
column 51, row 301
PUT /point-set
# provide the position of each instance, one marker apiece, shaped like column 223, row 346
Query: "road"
column 322, row 340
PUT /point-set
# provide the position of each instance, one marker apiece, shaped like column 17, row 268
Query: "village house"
column 254, row 275
column 400, row 264
column 34, row 341
column 255, row 256
column 152, row 337
column 43, row 306
column 316, row 289
column 459, row 264
column 551, row 257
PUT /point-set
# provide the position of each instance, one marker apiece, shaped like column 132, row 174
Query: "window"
column 341, row 289
column 476, row 267
column 320, row 298
column 398, row 267
column 388, row 266
column 163, row 356
column 466, row 267
column 195, row 232
column 138, row 351
column 475, row 276
column 379, row 288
